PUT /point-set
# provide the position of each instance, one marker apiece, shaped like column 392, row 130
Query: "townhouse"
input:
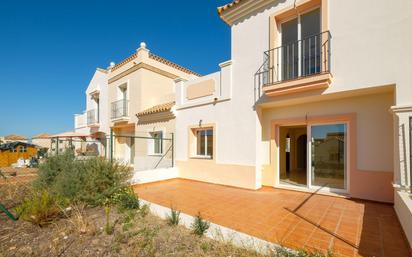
column 141, row 96
column 130, row 110
column 317, row 97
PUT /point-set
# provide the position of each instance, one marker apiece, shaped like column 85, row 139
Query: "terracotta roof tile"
column 42, row 135
column 157, row 108
column 156, row 58
column 15, row 137
column 225, row 7
column 125, row 61
column 172, row 64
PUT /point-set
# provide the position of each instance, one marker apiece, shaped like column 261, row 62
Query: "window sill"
column 200, row 157
column 155, row 154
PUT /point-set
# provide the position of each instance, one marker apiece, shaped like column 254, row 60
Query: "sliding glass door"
column 328, row 158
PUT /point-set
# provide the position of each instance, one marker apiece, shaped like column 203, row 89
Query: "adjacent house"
column 11, row 152
column 41, row 140
column 93, row 122
column 13, row 137
column 141, row 96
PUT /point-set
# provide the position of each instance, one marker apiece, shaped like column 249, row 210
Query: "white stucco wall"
column 99, row 82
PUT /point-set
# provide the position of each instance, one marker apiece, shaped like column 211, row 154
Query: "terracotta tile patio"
column 293, row 219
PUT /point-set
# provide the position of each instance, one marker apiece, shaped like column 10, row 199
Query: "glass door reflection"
column 328, row 155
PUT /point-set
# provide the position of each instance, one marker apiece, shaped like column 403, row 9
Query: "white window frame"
column 309, row 186
column 152, row 142
column 206, row 155
column 298, row 17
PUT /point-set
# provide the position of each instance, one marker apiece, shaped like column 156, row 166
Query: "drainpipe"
column 173, row 151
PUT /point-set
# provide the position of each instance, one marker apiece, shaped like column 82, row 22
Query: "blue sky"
column 49, row 50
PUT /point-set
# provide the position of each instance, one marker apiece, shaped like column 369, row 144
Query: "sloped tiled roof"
column 172, row 64
column 120, row 64
column 12, row 145
column 15, row 137
column 157, row 108
column 43, row 135
column 156, row 58
column 225, row 7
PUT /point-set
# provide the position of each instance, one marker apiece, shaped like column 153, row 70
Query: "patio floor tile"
column 290, row 218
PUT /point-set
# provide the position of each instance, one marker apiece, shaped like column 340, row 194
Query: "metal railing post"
column 173, row 150
column 111, row 144
column 57, row 145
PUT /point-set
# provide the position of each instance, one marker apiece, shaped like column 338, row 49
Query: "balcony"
column 119, row 110
column 92, row 118
column 297, row 67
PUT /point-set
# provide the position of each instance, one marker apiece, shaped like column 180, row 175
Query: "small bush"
column 200, row 226
column 41, row 208
column 174, row 217
column 127, row 199
column 128, row 219
column 92, row 181
column 144, row 210
column 49, row 170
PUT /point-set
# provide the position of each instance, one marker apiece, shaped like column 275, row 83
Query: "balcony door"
column 301, row 45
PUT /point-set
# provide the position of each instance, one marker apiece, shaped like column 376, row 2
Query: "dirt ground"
column 18, row 174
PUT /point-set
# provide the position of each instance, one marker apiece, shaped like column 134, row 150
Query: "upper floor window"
column 300, row 49
column 23, row 149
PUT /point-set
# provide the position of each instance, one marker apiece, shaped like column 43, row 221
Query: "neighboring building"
column 11, row 152
column 305, row 66
column 14, row 137
column 141, row 96
column 42, row 140
column 94, row 121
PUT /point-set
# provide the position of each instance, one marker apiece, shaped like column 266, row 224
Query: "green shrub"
column 174, row 217
column 52, row 167
column 93, row 181
column 200, row 226
column 41, row 208
column 127, row 199
column 144, row 210
column 128, row 218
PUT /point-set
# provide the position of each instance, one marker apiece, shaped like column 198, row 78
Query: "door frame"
column 308, row 122
column 309, row 156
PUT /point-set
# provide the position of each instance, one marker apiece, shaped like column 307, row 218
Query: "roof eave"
column 238, row 11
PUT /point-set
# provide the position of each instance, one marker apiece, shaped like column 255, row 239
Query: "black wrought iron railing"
column 92, row 117
column 119, row 109
column 305, row 57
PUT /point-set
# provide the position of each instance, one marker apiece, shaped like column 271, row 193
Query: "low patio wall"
column 148, row 176
column 403, row 208
column 217, row 232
